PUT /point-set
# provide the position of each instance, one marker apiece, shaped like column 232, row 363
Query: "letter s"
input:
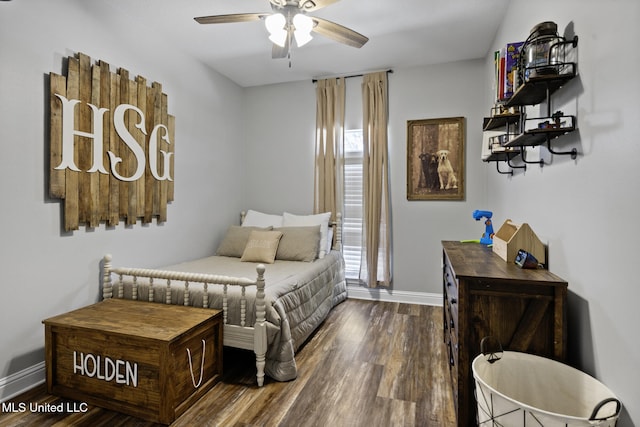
column 129, row 140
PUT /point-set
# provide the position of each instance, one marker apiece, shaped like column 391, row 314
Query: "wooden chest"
column 486, row 296
column 148, row 360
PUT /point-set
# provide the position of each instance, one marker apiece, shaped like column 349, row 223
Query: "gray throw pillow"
column 235, row 240
column 298, row 243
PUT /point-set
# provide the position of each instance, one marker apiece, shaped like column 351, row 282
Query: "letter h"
column 69, row 131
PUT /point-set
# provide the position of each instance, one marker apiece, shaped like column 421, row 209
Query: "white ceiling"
column 402, row 33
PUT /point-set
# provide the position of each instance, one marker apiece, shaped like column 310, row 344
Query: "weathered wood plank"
column 71, row 212
column 143, row 140
column 105, row 102
column 149, row 181
column 84, row 144
column 134, row 119
column 157, row 119
column 123, row 167
column 114, row 145
column 172, row 149
column 57, row 85
column 94, row 178
column 162, row 146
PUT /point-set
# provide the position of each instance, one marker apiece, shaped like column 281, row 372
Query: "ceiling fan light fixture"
column 275, row 25
column 303, row 26
column 279, row 38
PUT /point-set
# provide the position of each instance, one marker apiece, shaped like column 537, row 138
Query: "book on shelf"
column 496, row 64
column 501, row 75
column 512, row 54
column 506, row 63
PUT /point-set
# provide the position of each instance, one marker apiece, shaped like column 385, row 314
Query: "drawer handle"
column 193, row 379
column 451, row 361
column 454, row 301
column 453, row 325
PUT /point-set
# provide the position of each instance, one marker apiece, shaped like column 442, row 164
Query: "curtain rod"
column 348, row 77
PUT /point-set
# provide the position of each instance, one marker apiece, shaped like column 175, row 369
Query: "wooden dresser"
column 485, row 296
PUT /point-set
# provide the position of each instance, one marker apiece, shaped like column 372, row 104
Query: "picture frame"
column 435, row 159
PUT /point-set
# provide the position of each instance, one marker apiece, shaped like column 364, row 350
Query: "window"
column 352, row 216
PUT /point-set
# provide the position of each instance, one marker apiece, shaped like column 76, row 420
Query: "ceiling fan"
column 289, row 21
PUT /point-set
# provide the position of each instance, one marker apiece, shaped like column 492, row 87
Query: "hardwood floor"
column 370, row 364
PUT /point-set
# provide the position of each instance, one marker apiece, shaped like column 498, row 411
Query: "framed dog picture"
column 435, row 159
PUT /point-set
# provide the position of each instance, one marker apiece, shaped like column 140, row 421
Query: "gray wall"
column 281, row 131
column 586, row 209
column 46, row 271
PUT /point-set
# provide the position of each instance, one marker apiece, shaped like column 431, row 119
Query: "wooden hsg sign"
column 111, row 146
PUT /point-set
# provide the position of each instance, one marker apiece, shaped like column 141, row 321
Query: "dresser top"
column 477, row 261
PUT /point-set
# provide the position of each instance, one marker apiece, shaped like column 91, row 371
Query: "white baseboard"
column 407, row 297
column 21, row 381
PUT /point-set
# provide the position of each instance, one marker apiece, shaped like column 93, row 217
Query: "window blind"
column 352, row 216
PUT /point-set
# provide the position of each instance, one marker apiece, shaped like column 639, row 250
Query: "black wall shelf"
column 520, row 132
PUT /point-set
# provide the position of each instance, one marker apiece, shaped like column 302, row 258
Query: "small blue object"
column 487, row 237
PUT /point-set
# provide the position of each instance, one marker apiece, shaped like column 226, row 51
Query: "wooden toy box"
column 143, row 359
column 512, row 237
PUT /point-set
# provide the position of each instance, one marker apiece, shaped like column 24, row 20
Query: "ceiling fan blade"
column 280, row 51
column 338, row 33
column 236, row 17
column 313, row 5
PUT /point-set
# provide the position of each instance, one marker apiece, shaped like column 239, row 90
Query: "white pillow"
column 259, row 219
column 291, row 220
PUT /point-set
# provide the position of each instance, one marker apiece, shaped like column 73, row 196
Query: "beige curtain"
column 375, row 267
column 330, row 94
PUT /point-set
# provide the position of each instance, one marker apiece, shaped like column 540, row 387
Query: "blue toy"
column 487, row 237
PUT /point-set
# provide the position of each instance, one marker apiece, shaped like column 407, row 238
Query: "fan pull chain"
column 289, row 48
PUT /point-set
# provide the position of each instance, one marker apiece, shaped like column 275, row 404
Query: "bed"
column 272, row 299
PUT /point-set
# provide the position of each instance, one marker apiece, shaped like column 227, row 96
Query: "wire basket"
column 520, row 389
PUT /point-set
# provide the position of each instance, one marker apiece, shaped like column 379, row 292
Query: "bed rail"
column 249, row 337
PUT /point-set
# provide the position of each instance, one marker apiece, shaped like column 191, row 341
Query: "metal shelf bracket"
column 501, row 172
column 524, row 159
column 573, row 153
